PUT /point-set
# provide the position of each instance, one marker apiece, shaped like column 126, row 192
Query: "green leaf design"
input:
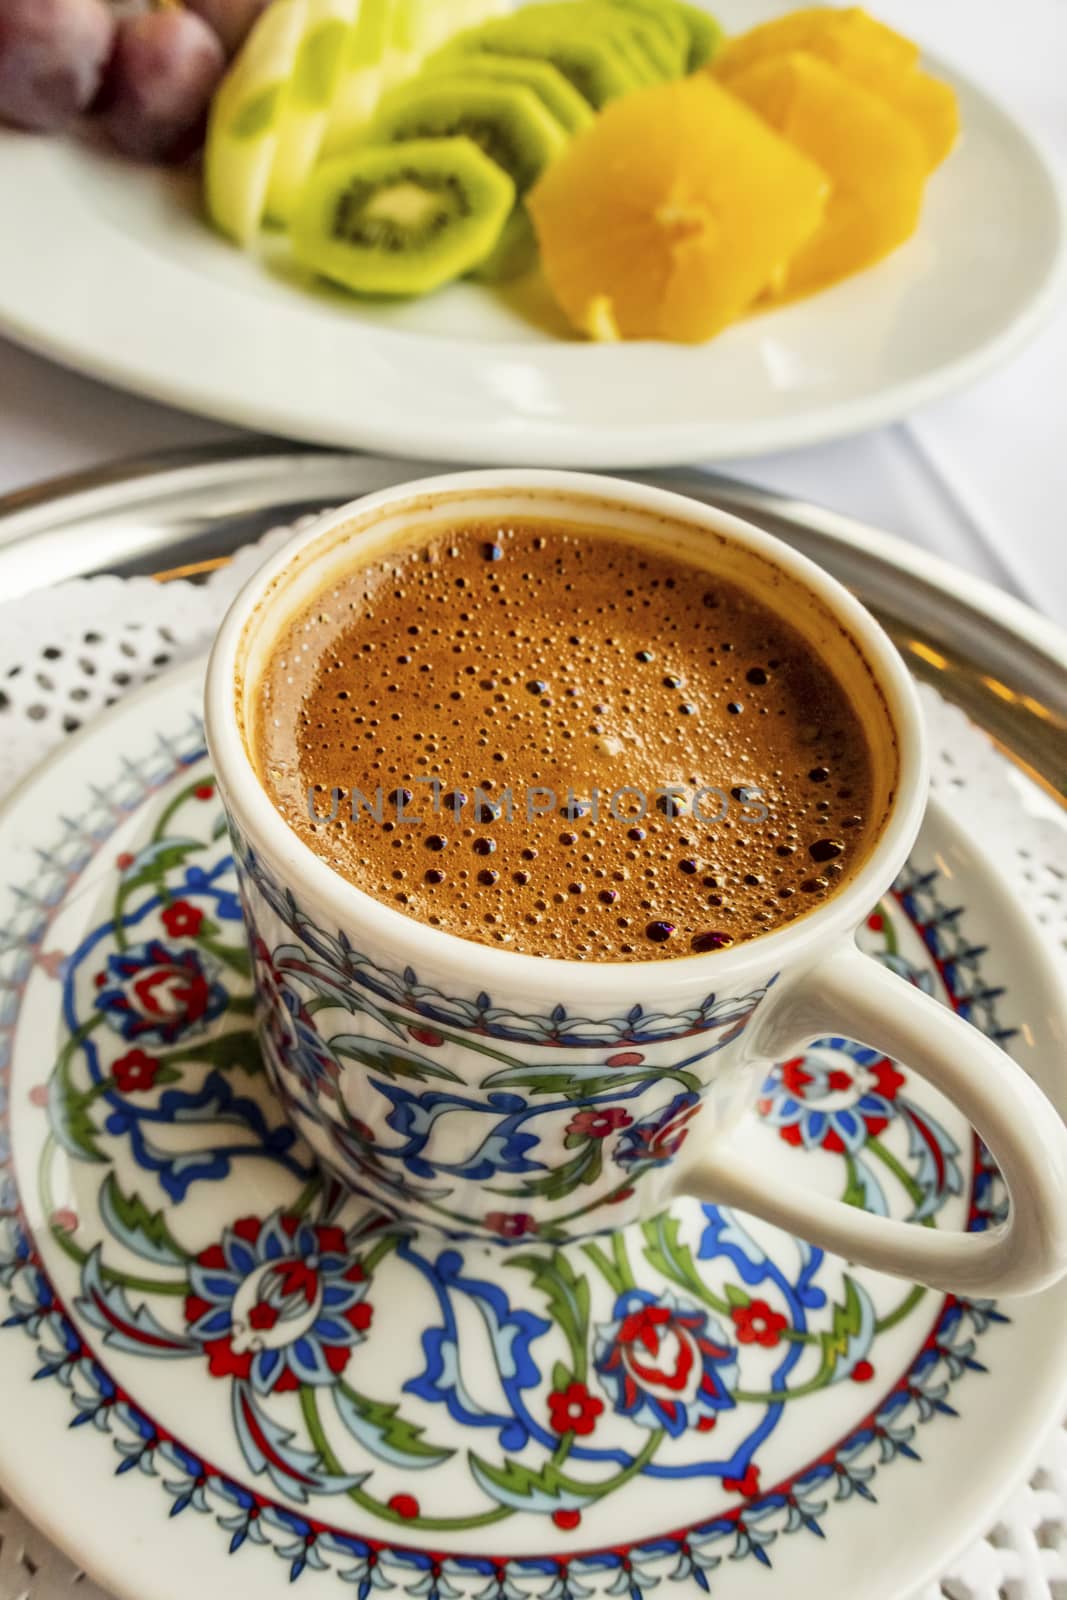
column 737, row 1297
column 846, row 1322
column 567, row 1295
column 584, row 1168
column 160, row 859
column 528, row 1489
column 580, row 1084
column 391, row 1063
column 379, row 1426
column 562, row 1377
column 854, row 1194
column 142, row 1231
column 68, row 1107
column 230, row 1051
column 547, row 1488
column 665, row 1251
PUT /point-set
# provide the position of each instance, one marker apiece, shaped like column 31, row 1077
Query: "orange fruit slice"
column 836, row 35
column 872, row 55
column 667, row 217
column 929, row 105
column 875, row 160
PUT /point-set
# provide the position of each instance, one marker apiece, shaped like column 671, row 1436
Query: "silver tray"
column 183, row 513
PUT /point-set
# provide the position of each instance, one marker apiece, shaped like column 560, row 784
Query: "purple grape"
column 231, row 19
column 52, row 57
column 164, row 70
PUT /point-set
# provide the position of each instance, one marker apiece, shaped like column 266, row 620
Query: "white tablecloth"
column 980, row 478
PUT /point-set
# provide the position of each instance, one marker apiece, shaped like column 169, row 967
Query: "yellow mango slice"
column 668, row 216
column 875, row 160
column 872, row 55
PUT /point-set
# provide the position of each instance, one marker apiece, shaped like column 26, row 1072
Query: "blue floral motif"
column 841, row 1096
column 503, row 1148
column 836, row 1095
column 665, row 1364
column 152, row 992
column 301, row 1050
column 656, row 1140
column 279, row 1302
column 510, row 1333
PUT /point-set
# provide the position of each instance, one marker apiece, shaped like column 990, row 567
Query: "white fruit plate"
column 111, row 270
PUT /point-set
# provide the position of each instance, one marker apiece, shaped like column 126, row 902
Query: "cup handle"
column 851, row 994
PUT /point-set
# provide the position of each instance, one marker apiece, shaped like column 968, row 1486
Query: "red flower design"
column 151, row 989
column 757, row 1323
column 664, row 1363
column 291, row 1285
column 427, row 1036
column 574, row 1409
column 799, row 1099
column 600, row 1123
column 862, row 1372
column 182, row 920
column 510, row 1225
column 204, row 791
column 566, row 1521
column 135, row 1072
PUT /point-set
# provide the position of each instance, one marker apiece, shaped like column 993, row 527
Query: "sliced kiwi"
column 592, row 63
column 514, row 253
column 635, row 42
column 402, row 219
column 706, row 34
column 558, row 96
column 506, row 120
column 656, row 32
column 703, row 34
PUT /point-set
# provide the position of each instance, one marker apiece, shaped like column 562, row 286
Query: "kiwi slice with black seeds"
column 506, row 120
column 559, row 97
column 657, row 31
column 402, row 219
column 593, row 64
column 703, row 35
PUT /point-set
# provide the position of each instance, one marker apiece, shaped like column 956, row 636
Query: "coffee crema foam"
column 539, row 655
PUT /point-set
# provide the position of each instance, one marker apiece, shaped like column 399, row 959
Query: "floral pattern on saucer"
column 387, row 1405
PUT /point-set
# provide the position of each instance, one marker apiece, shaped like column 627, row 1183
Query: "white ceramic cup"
column 435, row 1075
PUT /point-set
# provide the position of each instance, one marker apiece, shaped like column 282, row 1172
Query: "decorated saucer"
column 221, row 1375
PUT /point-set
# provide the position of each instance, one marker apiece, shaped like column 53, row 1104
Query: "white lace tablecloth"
column 68, row 653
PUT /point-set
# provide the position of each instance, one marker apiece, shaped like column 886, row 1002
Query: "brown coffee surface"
column 506, row 661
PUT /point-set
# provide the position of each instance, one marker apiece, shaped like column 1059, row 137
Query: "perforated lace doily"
column 67, row 653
